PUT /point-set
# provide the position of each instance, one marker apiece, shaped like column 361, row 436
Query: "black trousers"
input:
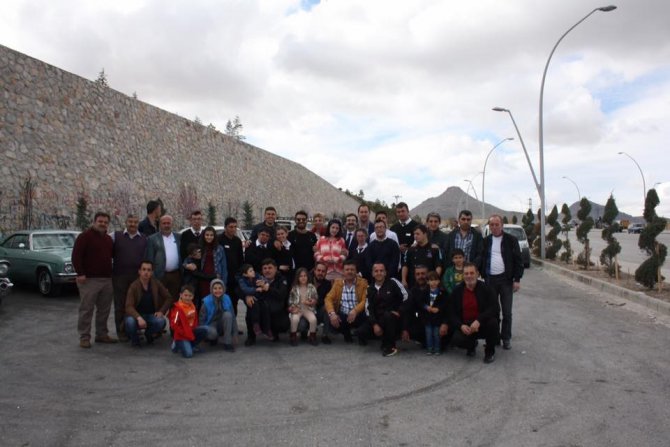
column 391, row 326
column 488, row 330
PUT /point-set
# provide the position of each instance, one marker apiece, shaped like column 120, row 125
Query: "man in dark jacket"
column 502, row 270
column 385, row 299
column 275, row 297
column 232, row 246
column 473, row 314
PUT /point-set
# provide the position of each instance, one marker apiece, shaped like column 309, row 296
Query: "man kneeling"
column 147, row 302
column 473, row 314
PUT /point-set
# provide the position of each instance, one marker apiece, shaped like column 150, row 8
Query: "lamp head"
column 607, row 8
column 499, row 109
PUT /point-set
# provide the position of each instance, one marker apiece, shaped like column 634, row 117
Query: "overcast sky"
column 393, row 97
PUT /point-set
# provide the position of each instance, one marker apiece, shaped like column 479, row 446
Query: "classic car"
column 41, row 257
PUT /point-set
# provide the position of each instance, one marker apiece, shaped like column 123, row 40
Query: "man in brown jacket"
column 345, row 304
column 147, row 303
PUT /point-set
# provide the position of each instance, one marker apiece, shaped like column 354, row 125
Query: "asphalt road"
column 585, row 370
column 630, row 257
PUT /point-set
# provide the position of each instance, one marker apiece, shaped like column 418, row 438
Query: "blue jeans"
column 154, row 326
column 433, row 338
column 226, row 327
column 186, row 346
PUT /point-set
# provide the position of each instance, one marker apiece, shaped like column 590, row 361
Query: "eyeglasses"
column 300, row 219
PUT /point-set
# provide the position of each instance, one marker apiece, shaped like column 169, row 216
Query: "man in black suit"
column 259, row 250
column 350, row 225
column 359, row 254
column 232, row 246
column 191, row 235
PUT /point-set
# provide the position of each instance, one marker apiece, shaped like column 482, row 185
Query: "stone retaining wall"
column 70, row 137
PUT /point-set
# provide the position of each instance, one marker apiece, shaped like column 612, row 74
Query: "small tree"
column 188, row 200
column 102, row 79
column 211, row 214
column 248, row 211
column 566, row 256
column 514, row 219
column 648, row 273
column 553, row 242
column 82, row 220
column 613, row 248
column 234, row 128
column 505, row 220
column 529, row 226
column 26, row 201
column 584, row 258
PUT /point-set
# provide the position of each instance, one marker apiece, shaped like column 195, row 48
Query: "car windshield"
column 516, row 232
column 53, row 240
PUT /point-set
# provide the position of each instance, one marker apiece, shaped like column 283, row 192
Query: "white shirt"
column 497, row 264
column 171, row 253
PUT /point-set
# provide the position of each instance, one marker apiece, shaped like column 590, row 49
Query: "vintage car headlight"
column 69, row 268
column 3, row 269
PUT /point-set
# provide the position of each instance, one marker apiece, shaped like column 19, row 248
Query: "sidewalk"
column 607, row 287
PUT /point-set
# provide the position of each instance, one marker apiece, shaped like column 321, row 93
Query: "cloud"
column 392, row 100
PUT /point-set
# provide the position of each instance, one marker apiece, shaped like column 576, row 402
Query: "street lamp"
column 543, row 214
column 530, row 165
column 644, row 184
column 484, row 173
column 579, row 195
column 473, row 188
column 465, row 195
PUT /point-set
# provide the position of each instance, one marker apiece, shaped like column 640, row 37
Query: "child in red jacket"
column 184, row 324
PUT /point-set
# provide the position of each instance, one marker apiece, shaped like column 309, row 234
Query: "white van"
column 518, row 232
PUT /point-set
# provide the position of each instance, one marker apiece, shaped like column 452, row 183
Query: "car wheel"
column 46, row 284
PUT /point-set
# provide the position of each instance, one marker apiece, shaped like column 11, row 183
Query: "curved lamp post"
column 644, row 184
column 543, row 214
column 523, row 145
column 484, row 173
column 579, row 195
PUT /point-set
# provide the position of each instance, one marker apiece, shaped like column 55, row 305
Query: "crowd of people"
column 357, row 277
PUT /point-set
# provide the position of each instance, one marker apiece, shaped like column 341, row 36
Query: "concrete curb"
column 604, row 286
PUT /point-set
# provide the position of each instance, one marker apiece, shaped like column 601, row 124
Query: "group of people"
column 357, row 277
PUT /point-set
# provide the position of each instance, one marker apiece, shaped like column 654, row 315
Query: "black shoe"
column 489, row 357
column 213, row 342
column 506, row 345
column 471, row 352
column 348, row 338
column 326, row 340
column 250, row 341
column 362, row 341
column 229, row 348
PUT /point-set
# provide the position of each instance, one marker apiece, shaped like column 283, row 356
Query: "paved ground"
column 585, row 370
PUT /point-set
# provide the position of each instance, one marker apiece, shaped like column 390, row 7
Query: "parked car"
column 41, row 257
column 518, row 232
column 5, row 283
column 635, row 228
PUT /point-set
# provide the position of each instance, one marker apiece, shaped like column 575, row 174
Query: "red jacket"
column 181, row 329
